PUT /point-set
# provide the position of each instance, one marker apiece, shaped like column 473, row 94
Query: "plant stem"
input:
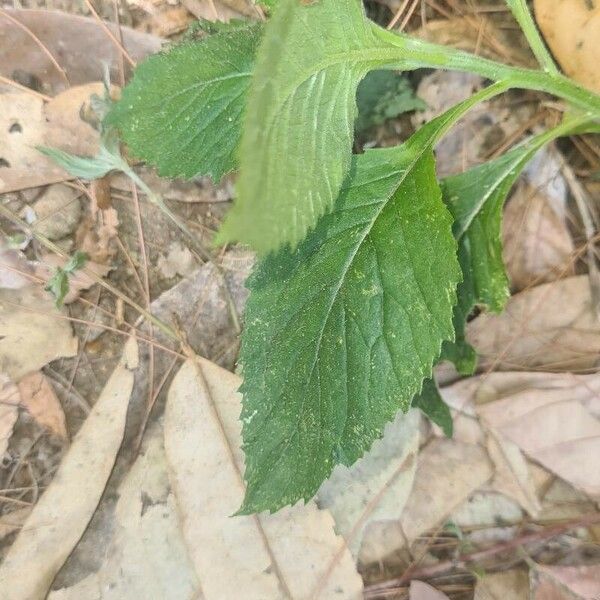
column 522, row 14
column 409, row 53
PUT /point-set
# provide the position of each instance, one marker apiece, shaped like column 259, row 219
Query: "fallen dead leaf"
column 550, row 326
column 572, row 30
column 204, row 313
column 377, row 486
column 13, row 521
column 420, row 590
column 146, row 556
column 293, row 553
column 31, row 123
column 32, row 332
column 513, row 584
column 512, row 475
column 38, row 397
column 178, row 261
column 9, row 411
column 565, row 583
column 537, row 245
column 486, row 517
column 15, row 269
column 79, row 44
column 448, row 472
column 554, row 428
column 66, row 507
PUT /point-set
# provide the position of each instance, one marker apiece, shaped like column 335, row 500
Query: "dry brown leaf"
column 38, row 397
column 15, row 269
column 512, row 476
column 513, row 585
column 292, row 553
column 9, row 411
column 486, row 517
column 419, row 590
column 177, row 261
column 565, row 583
column 146, row 556
column 448, row 472
column 537, row 245
column 554, row 428
column 572, row 30
column 550, row 326
column 79, row 44
column 66, row 507
column 32, row 123
column 32, row 332
column 377, row 486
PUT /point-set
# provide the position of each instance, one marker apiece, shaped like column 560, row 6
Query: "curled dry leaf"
column 32, row 332
column 552, row 427
column 66, row 507
column 40, row 401
column 293, row 553
column 377, row 486
column 146, row 557
column 550, row 326
column 448, row 472
column 572, row 30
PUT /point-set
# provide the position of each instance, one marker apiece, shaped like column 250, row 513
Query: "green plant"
column 369, row 267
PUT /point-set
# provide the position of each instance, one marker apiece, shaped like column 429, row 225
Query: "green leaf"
column 107, row 160
column 182, row 111
column 384, row 95
column 58, row 284
column 341, row 332
column 298, row 130
column 476, row 200
column 432, row 404
column 76, row 262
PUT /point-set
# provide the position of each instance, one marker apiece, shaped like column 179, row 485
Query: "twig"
column 398, row 14
column 110, row 34
column 23, row 88
column 464, row 562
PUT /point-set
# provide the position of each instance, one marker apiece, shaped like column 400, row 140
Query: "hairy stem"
column 410, row 53
column 521, row 12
